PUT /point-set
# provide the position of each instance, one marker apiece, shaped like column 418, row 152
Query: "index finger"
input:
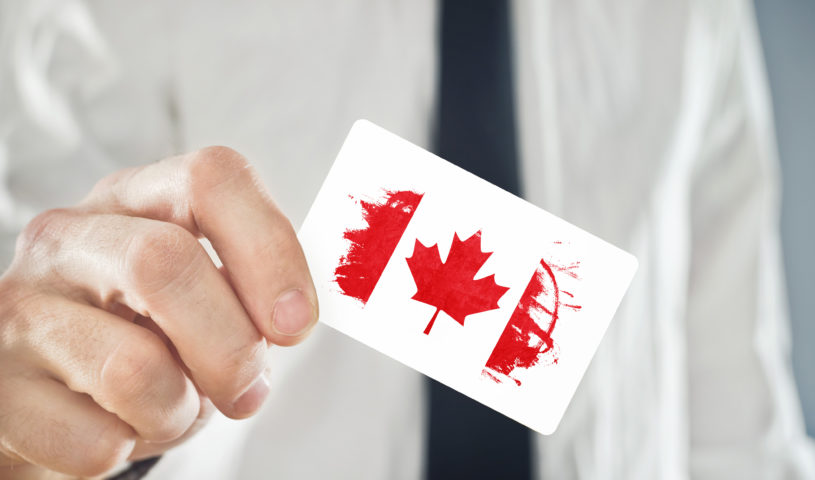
column 214, row 192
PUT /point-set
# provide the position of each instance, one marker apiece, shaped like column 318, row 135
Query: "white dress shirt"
column 645, row 123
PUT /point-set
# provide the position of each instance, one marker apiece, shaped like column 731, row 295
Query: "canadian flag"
column 453, row 286
column 459, row 279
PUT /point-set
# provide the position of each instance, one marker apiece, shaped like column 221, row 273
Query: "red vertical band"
column 372, row 246
column 523, row 339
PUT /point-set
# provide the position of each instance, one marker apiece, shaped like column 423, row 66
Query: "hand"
column 118, row 333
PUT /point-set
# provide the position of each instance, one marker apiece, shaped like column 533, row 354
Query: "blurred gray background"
column 788, row 35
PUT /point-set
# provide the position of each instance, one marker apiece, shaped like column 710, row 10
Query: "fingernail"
column 293, row 314
column 252, row 398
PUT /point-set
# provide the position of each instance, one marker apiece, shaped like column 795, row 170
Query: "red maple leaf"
column 451, row 286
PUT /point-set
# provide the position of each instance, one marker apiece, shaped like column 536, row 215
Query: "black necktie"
column 477, row 132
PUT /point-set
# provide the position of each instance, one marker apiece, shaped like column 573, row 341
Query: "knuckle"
column 105, row 446
column 244, row 363
column 174, row 416
column 19, row 313
column 215, row 166
column 89, row 450
column 141, row 372
column 134, row 366
column 161, row 256
column 43, row 232
column 221, row 155
column 104, row 189
column 22, row 311
column 282, row 245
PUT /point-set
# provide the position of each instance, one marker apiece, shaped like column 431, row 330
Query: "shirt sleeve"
column 745, row 418
column 82, row 96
